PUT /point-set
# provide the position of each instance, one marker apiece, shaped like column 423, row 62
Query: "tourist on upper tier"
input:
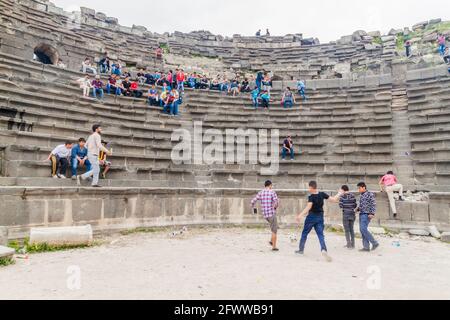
column 234, row 88
column 79, row 158
column 85, row 84
column 61, row 64
column 255, row 97
column 389, row 184
column 169, row 77
column 301, row 88
column 288, row 148
column 204, row 83
column 141, row 77
column 116, row 68
column 103, row 162
column 104, row 64
column 166, row 87
column 215, row 84
column 245, row 86
column 172, row 102
column 126, row 74
column 447, row 56
column 94, row 146
column 366, row 209
column 181, row 77
column 259, row 80
column 192, row 81
column 126, row 83
column 258, row 33
column 267, row 83
column 87, row 66
column 315, row 218
column 112, row 85
column 265, row 99
column 60, row 160
column 269, row 204
column 134, row 89
column 288, row 98
column 267, row 33
column 441, row 43
column 225, row 85
column 97, row 85
column 347, row 202
column 408, row 48
column 159, row 53
column 153, row 96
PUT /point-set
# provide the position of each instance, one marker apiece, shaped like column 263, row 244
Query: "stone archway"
column 46, row 54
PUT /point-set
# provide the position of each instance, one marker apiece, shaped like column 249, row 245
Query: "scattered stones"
column 62, row 236
column 419, row 232
column 434, row 232
column 445, row 237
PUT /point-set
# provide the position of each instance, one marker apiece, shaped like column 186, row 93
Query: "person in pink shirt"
column 389, row 184
column 441, row 43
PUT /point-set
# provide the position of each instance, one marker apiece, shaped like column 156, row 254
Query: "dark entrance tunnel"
column 46, row 54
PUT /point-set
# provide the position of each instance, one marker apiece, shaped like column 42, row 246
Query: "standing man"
column 60, row 160
column 441, row 43
column 315, row 218
column 269, row 204
column 94, row 146
column 181, row 77
column 366, row 209
column 79, row 158
column 301, row 87
column 408, row 48
column 389, row 184
column 347, row 203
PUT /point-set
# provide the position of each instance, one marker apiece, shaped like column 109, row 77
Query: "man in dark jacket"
column 347, row 203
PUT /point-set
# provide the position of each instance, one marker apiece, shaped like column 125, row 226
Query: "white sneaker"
column 55, row 177
column 61, row 176
column 326, row 256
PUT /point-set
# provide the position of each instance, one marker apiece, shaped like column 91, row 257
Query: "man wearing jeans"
column 94, row 146
column 79, row 157
column 315, row 218
column 367, row 208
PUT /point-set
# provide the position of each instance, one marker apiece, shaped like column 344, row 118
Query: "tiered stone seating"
column 337, row 130
column 429, row 109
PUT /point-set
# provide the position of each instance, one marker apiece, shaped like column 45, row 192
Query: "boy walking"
column 269, row 204
column 347, row 203
column 315, row 218
column 366, row 209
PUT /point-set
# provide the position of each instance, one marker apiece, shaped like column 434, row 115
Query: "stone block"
column 114, row 208
column 3, row 236
column 86, row 210
column 82, row 235
column 445, row 237
column 420, row 211
column 434, row 232
column 6, row 252
column 56, row 211
column 419, row 232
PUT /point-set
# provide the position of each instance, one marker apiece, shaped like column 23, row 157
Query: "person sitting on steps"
column 60, row 160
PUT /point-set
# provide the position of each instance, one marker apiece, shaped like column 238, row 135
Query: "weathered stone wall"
column 122, row 208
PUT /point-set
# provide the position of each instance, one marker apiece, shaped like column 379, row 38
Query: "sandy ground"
column 231, row 264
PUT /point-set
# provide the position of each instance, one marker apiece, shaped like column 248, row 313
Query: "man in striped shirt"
column 347, row 203
column 269, row 205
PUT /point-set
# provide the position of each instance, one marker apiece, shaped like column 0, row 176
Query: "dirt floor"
column 231, row 264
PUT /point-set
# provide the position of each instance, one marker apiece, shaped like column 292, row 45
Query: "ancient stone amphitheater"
column 369, row 110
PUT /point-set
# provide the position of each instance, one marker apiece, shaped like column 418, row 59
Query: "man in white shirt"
column 60, row 160
column 94, row 146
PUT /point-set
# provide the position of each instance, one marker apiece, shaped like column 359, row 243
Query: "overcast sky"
column 326, row 19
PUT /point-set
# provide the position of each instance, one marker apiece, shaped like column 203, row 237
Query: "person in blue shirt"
column 301, row 87
column 265, row 99
column 259, row 80
column 255, row 97
column 79, row 158
column 153, row 96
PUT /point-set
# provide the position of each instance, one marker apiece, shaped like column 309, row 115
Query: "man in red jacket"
column 181, row 77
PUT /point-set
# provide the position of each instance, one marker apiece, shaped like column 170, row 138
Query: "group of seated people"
column 115, row 84
column 67, row 155
column 261, row 96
